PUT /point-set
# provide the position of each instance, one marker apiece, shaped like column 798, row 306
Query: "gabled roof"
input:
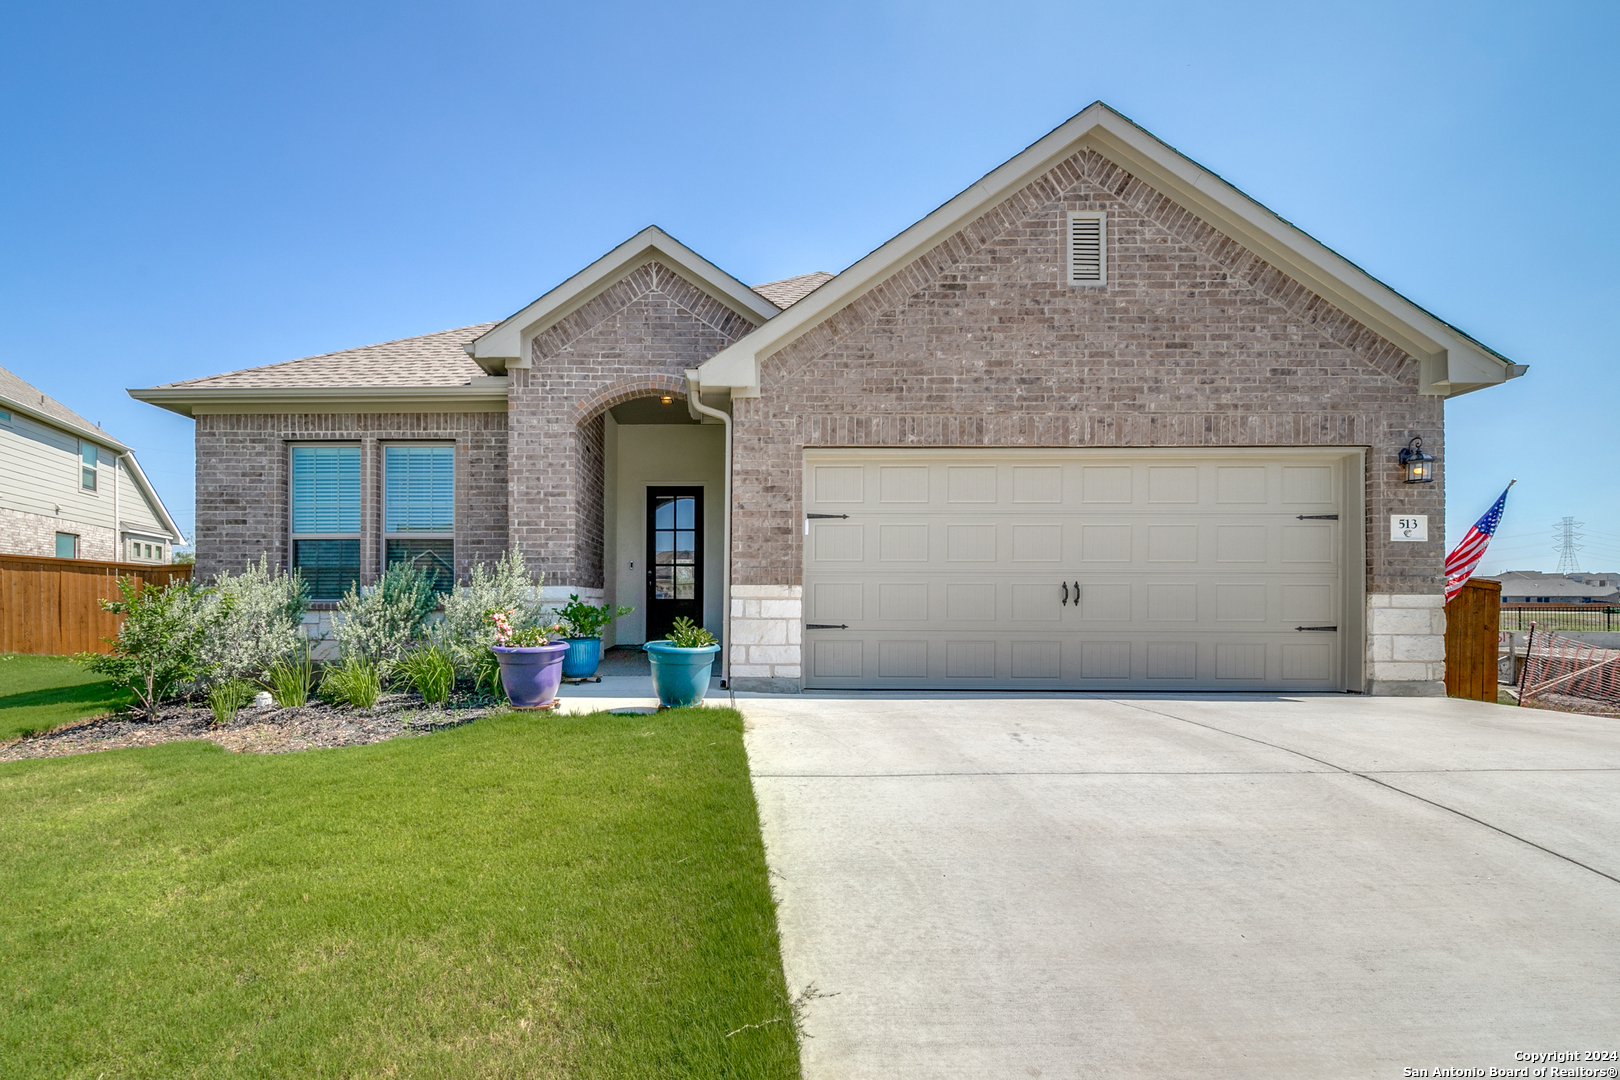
column 1452, row 362
column 789, row 291
column 22, row 397
column 504, row 344
column 29, row 400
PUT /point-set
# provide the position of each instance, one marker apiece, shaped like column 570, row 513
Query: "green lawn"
column 38, row 693
column 526, row 896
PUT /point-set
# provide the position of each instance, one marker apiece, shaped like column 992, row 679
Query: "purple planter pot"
column 531, row 675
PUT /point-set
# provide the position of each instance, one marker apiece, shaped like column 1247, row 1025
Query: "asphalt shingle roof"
column 23, row 393
column 789, row 291
column 429, row 360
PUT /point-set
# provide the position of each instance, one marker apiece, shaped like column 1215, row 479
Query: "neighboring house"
column 1101, row 421
column 1535, row 587
column 69, row 490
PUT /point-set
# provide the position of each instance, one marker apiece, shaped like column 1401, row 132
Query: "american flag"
column 1466, row 555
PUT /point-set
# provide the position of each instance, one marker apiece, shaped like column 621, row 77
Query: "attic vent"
column 1088, row 248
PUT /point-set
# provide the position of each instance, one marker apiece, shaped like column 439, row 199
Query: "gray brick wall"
column 634, row 339
column 242, row 482
column 1195, row 341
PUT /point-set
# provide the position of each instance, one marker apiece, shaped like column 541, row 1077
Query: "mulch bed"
column 271, row 730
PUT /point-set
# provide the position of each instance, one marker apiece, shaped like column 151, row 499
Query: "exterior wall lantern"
column 1418, row 465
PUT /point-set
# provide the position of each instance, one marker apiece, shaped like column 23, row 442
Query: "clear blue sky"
column 188, row 189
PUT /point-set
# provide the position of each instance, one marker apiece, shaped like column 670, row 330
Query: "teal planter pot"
column 680, row 676
column 584, row 657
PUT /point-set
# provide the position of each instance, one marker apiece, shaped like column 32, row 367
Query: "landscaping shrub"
column 356, row 682
column 228, row 697
column 431, row 671
column 507, row 587
column 383, row 621
column 254, row 619
column 160, row 645
column 290, row 679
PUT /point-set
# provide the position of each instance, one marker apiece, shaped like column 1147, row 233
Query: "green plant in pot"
column 682, row 664
column 583, row 625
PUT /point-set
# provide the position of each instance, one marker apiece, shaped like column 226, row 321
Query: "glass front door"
column 674, row 558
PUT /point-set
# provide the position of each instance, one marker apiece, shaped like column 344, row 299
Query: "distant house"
column 1535, row 587
column 71, row 491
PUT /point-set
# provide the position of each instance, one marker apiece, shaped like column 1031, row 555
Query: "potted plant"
column 531, row 661
column 582, row 627
column 681, row 664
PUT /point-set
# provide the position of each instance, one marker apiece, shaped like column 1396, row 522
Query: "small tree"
column 160, row 644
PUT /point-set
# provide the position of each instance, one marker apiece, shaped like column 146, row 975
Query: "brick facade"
column 1194, row 341
column 22, row 533
column 635, row 338
column 242, row 496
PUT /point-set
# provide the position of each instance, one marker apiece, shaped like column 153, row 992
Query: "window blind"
column 419, row 489
column 325, row 489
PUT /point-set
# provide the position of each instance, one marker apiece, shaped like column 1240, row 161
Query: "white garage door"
column 1083, row 569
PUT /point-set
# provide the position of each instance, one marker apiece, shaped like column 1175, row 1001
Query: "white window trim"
column 1101, row 218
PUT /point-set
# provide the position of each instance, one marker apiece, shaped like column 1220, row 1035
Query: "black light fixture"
column 1418, row 465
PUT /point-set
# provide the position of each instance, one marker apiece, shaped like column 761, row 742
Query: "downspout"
column 118, row 529
column 698, row 408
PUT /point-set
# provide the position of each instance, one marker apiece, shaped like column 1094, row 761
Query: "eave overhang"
column 1451, row 362
column 483, row 394
column 96, row 436
column 507, row 344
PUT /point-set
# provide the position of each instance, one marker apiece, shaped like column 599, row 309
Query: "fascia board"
column 1225, row 207
column 96, row 436
column 505, row 341
column 191, row 401
column 150, row 492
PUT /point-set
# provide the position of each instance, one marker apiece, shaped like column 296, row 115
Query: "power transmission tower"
column 1564, row 535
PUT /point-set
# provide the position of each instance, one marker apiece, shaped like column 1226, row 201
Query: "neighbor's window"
column 5, row 418
column 89, row 458
column 67, row 546
column 326, row 518
column 419, row 510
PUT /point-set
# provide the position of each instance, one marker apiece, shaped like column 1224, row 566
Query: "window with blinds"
column 419, row 510
column 326, row 518
column 1088, row 247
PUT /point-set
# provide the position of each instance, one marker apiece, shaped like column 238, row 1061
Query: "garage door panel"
column 1078, row 569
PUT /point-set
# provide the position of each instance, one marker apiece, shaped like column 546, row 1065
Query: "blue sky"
column 187, row 189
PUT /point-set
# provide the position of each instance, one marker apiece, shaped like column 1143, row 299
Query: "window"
column 419, row 510
column 1088, row 248
column 89, row 458
column 5, row 418
column 326, row 518
column 67, row 546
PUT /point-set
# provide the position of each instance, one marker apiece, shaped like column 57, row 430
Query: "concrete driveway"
column 1290, row 887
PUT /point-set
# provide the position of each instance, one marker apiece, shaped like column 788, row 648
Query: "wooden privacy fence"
column 50, row 606
column 1472, row 621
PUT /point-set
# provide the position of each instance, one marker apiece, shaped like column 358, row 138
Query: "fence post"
column 1524, row 672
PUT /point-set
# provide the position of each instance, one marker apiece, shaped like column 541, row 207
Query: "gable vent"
column 1088, row 248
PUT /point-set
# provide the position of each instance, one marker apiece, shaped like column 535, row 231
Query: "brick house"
column 1099, row 422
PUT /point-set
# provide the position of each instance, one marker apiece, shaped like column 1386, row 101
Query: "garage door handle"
column 1065, row 594
column 1322, row 628
column 826, row 626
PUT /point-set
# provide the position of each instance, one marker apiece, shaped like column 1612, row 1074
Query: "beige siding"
column 39, row 473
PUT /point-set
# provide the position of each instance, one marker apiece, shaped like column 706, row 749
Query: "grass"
column 38, row 693
column 527, row 896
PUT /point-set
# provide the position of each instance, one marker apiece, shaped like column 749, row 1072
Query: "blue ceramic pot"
column 584, row 655
column 680, row 676
column 531, row 675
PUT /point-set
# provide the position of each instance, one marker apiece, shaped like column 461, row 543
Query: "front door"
column 674, row 558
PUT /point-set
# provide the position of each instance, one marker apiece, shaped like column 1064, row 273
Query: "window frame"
column 88, row 471
column 383, row 533
column 75, row 537
column 293, row 536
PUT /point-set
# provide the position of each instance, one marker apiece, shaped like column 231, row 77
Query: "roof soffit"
column 1452, row 362
column 506, row 343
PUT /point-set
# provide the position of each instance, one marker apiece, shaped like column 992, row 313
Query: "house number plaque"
column 1409, row 526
